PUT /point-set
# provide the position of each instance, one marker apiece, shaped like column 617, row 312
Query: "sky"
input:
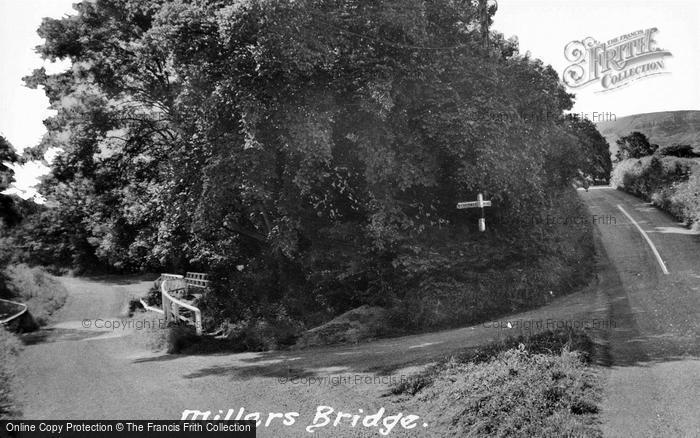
column 23, row 110
column 543, row 28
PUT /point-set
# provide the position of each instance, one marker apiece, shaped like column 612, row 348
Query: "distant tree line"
column 9, row 215
column 637, row 145
column 667, row 176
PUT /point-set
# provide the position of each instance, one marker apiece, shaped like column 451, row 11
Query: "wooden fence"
column 173, row 289
column 196, row 280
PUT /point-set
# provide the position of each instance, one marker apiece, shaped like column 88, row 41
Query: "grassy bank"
column 36, row 288
column 9, row 346
column 540, row 386
column 670, row 183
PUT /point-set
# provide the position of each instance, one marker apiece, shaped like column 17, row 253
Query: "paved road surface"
column 653, row 386
column 78, row 373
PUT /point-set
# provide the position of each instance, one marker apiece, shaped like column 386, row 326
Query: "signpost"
column 479, row 203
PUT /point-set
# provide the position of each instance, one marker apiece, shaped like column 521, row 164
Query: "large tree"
column 594, row 149
column 310, row 142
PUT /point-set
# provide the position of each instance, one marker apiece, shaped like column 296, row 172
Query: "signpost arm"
column 480, row 203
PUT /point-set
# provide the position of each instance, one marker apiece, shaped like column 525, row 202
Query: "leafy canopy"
column 316, row 143
column 634, row 145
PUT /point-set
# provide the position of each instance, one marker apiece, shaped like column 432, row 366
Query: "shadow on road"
column 121, row 280
column 655, row 317
column 633, row 339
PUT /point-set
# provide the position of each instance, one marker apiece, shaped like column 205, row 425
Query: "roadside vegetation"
column 308, row 169
column 39, row 290
column 668, row 177
column 9, row 347
column 537, row 386
column 33, row 286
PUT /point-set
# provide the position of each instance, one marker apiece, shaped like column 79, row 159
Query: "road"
column 72, row 372
column 653, row 381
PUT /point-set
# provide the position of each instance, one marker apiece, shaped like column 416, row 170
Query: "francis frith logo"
column 616, row 62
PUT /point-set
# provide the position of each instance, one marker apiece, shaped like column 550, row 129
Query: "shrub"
column 36, row 288
column 540, row 388
column 516, row 394
column 678, row 150
column 179, row 338
column 683, row 201
column 451, row 284
column 547, row 342
column 670, row 183
column 9, row 347
column 154, row 297
column 175, row 338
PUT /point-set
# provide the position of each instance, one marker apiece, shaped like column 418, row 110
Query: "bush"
column 36, row 288
column 547, row 342
column 179, row 338
column 670, row 183
column 540, row 388
column 678, row 150
column 516, row 394
column 445, row 281
column 683, row 201
column 9, row 347
column 154, row 297
column 173, row 338
column 263, row 334
column 451, row 283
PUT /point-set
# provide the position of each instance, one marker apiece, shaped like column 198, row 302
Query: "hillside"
column 663, row 128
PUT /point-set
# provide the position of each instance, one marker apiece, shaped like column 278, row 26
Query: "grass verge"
column 539, row 386
column 9, row 347
column 36, row 288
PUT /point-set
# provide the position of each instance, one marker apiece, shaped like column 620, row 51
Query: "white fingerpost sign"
column 479, row 203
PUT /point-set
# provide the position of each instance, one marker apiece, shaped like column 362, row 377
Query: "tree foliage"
column 9, row 215
column 678, row 150
column 594, row 159
column 300, row 150
column 634, row 145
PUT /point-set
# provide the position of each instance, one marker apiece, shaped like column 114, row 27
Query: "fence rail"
column 22, row 310
column 197, row 280
column 172, row 287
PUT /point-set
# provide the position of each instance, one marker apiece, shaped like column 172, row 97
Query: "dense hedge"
column 670, row 183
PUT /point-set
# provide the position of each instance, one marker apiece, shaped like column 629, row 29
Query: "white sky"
column 543, row 27
column 21, row 109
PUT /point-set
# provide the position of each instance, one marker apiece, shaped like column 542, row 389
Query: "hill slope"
column 663, row 128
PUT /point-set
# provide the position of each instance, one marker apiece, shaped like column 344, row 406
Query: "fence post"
column 198, row 322
column 171, row 305
column 166, row 305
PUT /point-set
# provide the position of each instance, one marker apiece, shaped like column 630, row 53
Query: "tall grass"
column 36, row 288
column 542, row 387
column 9, row 347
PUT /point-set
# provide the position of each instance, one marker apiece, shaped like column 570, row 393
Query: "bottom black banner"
column 126, row 428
